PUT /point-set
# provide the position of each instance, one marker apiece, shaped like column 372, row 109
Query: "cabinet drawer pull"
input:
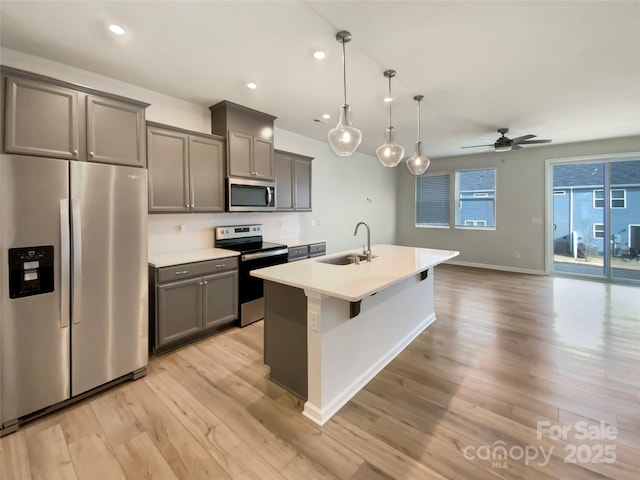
column 222, row 265
column 205, row 282
column 182, row 272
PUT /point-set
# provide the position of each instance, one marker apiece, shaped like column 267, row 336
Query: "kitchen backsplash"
column 180, row 232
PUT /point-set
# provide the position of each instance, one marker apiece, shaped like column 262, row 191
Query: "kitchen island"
column 330, row 328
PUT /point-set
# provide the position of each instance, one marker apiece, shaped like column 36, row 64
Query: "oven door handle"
column 271, row 253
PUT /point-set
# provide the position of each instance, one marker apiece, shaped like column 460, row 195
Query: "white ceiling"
column 566, row 70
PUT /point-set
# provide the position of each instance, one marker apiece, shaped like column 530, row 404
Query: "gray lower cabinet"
column 300, row 252
column 190, row 301
column 317, row 249
column 47, row 117
column 186, row 170
column 285, row 337
column 293, row 181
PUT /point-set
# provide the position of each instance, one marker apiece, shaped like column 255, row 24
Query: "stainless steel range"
column 254, row 254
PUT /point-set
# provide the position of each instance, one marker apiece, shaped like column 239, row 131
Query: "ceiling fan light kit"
column 344, row 139
column 506, row 144
column 390, row 153
column 418, row 163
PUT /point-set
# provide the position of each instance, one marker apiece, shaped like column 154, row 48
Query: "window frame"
column 457, row 200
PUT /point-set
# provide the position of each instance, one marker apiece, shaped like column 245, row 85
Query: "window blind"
column 432, row 200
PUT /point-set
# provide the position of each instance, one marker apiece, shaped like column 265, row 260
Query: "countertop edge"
column 310, row 288
column 189, row 256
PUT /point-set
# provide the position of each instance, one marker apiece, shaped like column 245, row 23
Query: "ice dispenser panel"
column 30, row 271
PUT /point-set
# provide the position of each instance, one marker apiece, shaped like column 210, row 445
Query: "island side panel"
column 285, row 336
column 346, row 353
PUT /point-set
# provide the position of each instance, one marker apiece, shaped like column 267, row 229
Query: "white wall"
column 340, row 185
column 518, row 242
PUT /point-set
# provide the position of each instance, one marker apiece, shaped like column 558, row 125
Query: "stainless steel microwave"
column 244, row 195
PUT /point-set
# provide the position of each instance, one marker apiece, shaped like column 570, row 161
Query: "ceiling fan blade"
column 530, row 142
column 478, row 146
column 515, row 146
column 522, row 138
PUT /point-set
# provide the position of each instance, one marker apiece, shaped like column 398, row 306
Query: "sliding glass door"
column 596, row 218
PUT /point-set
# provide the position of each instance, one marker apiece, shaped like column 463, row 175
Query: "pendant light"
column 390, row 153
column 418, row 163
column 344, row 138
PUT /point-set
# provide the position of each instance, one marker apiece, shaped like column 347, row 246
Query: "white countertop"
column 296, row 241
column 392, row 263
column 178, row 258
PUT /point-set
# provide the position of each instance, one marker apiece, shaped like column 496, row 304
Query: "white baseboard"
column 321, row 415
column 497, row 267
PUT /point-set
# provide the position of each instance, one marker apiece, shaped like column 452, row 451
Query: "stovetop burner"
column 244, row 239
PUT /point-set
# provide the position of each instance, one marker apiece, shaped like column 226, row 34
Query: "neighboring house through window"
column 475, row 198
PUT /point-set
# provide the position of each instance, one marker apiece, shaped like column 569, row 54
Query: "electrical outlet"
column 314, row 321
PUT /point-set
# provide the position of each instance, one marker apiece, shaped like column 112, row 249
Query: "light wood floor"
column 507, row 350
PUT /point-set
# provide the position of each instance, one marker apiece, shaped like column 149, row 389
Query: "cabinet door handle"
column 91, row 154
column 182, row 272
column 205, row 282
column 75, row 152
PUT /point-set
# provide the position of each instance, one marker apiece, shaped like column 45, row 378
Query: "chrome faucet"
column 367, row 252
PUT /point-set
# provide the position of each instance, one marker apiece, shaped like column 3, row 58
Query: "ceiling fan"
column 505, row 144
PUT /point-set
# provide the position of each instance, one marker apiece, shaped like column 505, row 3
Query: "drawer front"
column 186, row 270
column 317, row 249
column 296, row 253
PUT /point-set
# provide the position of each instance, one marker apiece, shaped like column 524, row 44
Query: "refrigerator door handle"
column 77, row 261
column 64, row 263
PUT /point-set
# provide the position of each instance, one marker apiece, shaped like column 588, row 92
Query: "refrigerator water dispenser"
column 30, row 271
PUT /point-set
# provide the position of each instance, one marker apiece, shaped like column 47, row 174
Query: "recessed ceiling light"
column 326, row 116
column 388, row 99
column 252, row 86
column 319, row 55
column 117, row 29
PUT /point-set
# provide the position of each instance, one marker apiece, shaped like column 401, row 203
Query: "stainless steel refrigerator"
column 73, row 305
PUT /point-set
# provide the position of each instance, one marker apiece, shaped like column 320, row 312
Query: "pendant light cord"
column 418, row 121
column 390, row 101
column 344, row 71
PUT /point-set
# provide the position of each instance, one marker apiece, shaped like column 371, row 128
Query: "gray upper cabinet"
column 241, row 150
column 186, row 170
column 41, row 119
column 293, row 181
column 115, row 132
column 51, row 118
column 206, row 170
column 249, row 140
column 168, row 170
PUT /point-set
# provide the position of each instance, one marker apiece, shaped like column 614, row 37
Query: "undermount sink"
column 347, row 259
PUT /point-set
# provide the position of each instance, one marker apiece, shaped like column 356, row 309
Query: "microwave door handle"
column 269, row 196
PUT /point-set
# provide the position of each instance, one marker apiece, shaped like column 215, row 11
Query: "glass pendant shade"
column 390, row 153
column 344, row 139
column 418, row 163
